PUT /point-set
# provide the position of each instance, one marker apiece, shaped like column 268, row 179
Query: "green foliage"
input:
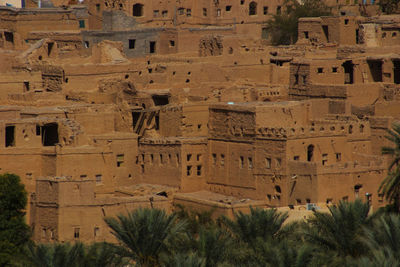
column 389, row 6
column 260, row 223
column 390, row 186
column 347, row 235
column 14, row 233
column 283, row 27
column 145, row 234
column 337, row 234
column 68, row 255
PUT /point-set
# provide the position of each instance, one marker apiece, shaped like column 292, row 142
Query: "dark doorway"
column 160, row 100
column 49, row 48
column 135, row 119
column 348, row 67
column 357, row 36
column 396, row 71
column 152, row 47
column 9, row 37
column 50, row 134
column 325, row 29
column 375, row 68
column 310, row 153
column 137, row 10
column 10, row 136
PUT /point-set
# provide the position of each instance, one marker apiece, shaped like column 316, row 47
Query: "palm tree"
column 54, row 255
column 260, row 223
column 102, row 255
column 390, row 186
column 384, row 236
column 145, row 234
column 184, row 260
column 338, row 232
column 283, row 254
column 215, row 245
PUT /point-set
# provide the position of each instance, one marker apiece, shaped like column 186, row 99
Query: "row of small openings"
column 394, row 34
column 268, row 163
column 221, row 159
column 156, row 13
column 321, row 70
column 249, row 162
column 198, row 157
column 272, row 93
column 162, row 159
column 181, row 11
column 96, row 232
column 189, row 170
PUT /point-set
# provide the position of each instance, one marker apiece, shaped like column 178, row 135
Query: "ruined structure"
column 111, row 105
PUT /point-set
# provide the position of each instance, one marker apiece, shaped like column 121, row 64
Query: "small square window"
column 156, row 13
column 242, row 2
column 132, row 43
column 250, row 162
column 306, row 35
column 228, row 8
column 181, row 11
column 278, row 163
column 338, row 157
column 324, row 159
column 199, row 170
column 76, row 233
column 188, row 170
column 188, row 12
column 188, row 157
column 268, row 163
column 241, row 162
column 98, row 7
column 164, row 13
column 222, row 160
column 81, row 24
column 334, row 69
column 320, row 70
column 99, row 178
column 171, row 43
column 296, row 158
column 120, row 160
column 346, row 21
column 214, row 159
column 205, row 12
column 265, row 10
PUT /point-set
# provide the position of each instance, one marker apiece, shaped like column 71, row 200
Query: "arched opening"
column 137, row 10
column 310, row 153
column 252, row 8
column 278, row 189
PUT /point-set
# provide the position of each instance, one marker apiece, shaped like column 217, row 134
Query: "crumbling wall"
column 210, row 46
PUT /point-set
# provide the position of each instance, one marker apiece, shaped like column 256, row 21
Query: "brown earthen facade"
column 107, row 106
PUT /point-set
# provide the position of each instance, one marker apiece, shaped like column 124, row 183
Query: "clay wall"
column 228, row 124
column 72, row 213
column 19, row 82
column 231, row 167
column 160, row 163
column 24, row 21
column 177, row 164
